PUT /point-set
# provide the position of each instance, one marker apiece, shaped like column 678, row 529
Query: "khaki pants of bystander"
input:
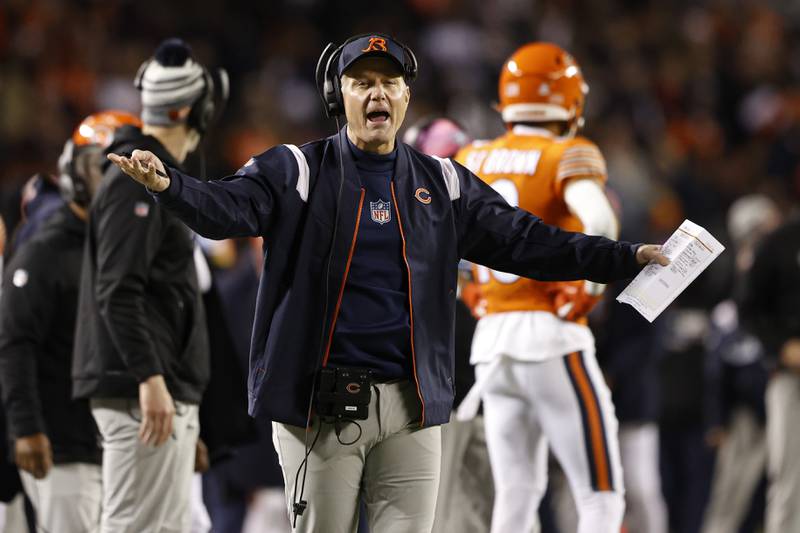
column 783, row 461
column 466, row 491
column 145, row 489
column 68, row 499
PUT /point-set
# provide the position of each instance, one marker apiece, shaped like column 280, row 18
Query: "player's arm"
column 587, row 200
column 580, row 176
column 241, row 205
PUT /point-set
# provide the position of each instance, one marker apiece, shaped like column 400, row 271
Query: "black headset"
column 208, row 107
column 71, row 182
column 328, row 82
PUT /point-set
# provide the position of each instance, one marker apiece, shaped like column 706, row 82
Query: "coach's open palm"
column 145, row 167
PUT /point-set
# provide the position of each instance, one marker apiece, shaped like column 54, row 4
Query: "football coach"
column 362, row 239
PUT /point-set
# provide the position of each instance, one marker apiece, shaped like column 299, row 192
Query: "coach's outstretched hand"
column 145, row 167
column 651, row 253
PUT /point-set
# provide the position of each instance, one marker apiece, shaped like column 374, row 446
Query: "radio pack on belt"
column 344, row 393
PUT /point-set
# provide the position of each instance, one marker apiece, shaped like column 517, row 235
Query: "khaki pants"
column 646, row 511
column 145, row 489
column 12, row 515
column 741, row 461
column 68, row 499
column 466, row 491
column 393, row 467
column 783, row 460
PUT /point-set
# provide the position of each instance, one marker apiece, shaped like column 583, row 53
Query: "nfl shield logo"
column 379, row 211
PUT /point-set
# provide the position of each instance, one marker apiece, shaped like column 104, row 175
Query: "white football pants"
column 562, row 402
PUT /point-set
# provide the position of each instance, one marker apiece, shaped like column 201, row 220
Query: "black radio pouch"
column 344, row 393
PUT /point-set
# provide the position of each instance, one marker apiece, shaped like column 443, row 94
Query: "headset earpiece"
column 321, row 71
column 65, row 171
column 333, row 86
column 327, row 84
column 202, row 111
column 71, row 180
column 224, row 92
column 410, row 68
column 212, row 101
column 137, row 80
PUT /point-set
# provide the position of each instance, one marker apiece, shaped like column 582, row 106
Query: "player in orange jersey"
column 535, row 356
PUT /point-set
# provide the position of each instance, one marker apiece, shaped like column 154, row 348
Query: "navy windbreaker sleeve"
column 241, row 205
column 509, row 239
column 26, row 311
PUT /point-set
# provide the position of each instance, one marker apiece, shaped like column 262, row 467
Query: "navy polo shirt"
column 373, row 329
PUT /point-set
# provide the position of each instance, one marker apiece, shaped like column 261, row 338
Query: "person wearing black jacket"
column 55, row 441
column 379, row 239
column 770, row 308
column 141, row 345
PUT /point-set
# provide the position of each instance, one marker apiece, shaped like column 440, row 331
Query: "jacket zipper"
column 410, row 305
column 344, row 279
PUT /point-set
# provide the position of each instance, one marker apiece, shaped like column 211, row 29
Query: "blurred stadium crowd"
column 693, row 104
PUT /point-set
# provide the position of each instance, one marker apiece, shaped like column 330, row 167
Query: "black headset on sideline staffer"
column 329, row 88
column 209, row 106
column 71, row 180
column 212, row 101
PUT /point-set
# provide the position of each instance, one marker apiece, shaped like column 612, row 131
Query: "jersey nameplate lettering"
column 504, row 161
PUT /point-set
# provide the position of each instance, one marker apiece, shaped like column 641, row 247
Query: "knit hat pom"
column 173, row 52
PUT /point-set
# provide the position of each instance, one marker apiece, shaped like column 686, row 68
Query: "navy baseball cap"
column 371, row 44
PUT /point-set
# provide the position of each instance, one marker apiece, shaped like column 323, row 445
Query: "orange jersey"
column 529, row 167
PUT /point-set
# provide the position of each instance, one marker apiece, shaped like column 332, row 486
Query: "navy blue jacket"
column 288, row 195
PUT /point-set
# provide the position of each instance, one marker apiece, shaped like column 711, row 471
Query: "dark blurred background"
column 693, row 103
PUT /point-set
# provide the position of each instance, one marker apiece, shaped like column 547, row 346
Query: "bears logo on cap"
column 376, row 44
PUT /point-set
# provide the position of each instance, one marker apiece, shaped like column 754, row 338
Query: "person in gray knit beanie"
column 143, row 360
column 170, row 81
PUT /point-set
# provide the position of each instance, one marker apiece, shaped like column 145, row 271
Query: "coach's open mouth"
column 377, row 117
